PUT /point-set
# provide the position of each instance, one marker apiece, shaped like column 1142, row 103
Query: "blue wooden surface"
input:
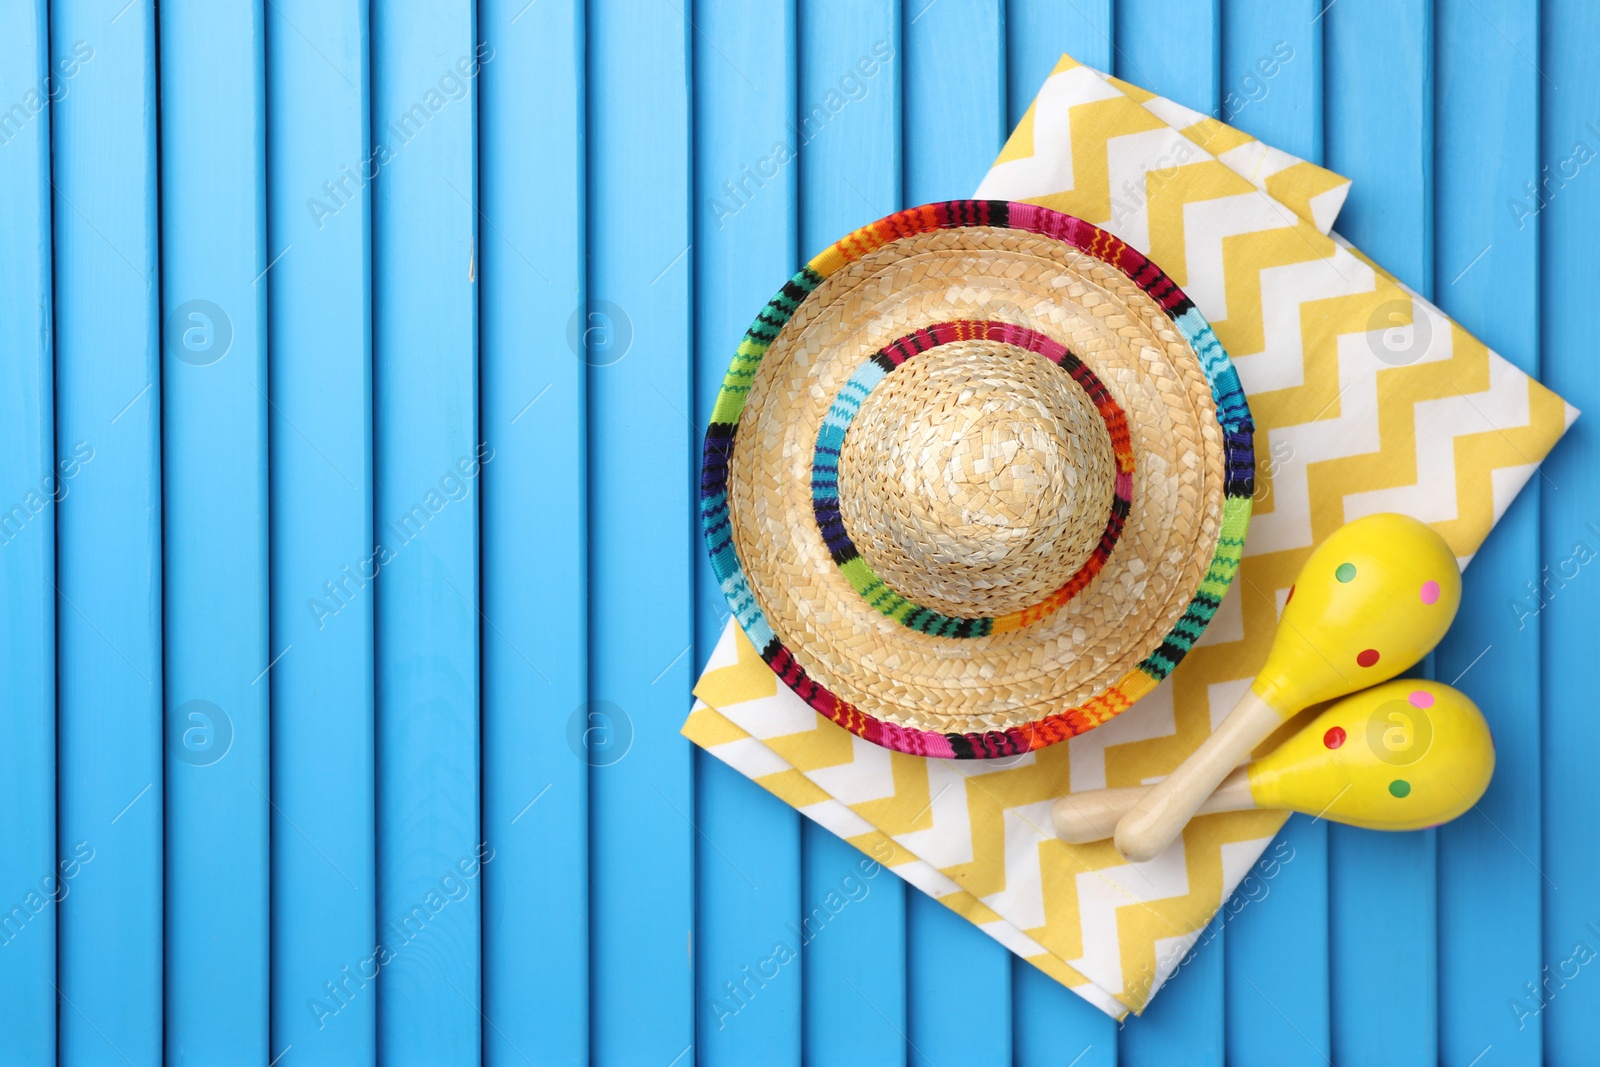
column 478, row 835
column 320, row 433
column 1490, row 876
column 429, row 454
column 1565, row 1010
column 637, row 341
column 110, row 790
column 28, row 544
column 535, row 667
column 214, row 494
column 746, row 212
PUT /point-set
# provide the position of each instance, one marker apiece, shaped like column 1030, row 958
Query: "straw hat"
column 977, row 479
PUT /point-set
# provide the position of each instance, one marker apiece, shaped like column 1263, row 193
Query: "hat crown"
column 976, row 479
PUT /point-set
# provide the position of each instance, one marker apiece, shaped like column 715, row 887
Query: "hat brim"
column 1007, row 693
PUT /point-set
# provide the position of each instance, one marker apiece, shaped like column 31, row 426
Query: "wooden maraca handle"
column 1157, row 819
column 1081, row 818
column 1374, row 597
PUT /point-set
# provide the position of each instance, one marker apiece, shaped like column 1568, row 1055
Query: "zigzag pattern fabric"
column 1366, row 398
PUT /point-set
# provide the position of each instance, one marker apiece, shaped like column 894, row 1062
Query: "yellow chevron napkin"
column 1366, row 398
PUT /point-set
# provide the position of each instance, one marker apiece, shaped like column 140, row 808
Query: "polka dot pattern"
column 1367, row 657
column 1334, row 737
column 1429, row 592
column 1400, row 788
column 1346, row 572
column 1420, row 698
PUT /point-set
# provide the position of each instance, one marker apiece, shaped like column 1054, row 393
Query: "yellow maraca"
column 1404, row 755
column 1371, row 601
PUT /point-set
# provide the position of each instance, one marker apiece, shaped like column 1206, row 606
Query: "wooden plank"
column 1276, row 994
column 1277, row 962
column 643, row 465
column 1272, row 73
column 1567, row 222
column 108, row 536
column 955, row 113
column 320, row 375
column 1039, row 31
column 1491, row 878
column 429, row 454
column 1171, row 52
column 955, row 971
column 1050, row 1024
column 746, row 177
column 214, row 474
column 1378, row 59
column 1185, row 1018
column 30, row 487
column 851, row 163
column 1047, row 1019
column 1175, row 52
column 535, row 666
column 1378, row 72
column 954, row 126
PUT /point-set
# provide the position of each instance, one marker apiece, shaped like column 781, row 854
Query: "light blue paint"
column 746, row 178
column 1184, row 1023
column 1491, row 874
column 30, row 485
column 1276, row 964
column 534, row 637
column 1569, row 518
column 1051, row 1024
column 430, row 455
column 214, row 476
column 324, row 889
column 643, row 454
column 1039, row 31
column 110, row 793
column 955, row 109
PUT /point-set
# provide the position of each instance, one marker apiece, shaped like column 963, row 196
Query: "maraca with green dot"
column 1404, row 755
column 1373, row 599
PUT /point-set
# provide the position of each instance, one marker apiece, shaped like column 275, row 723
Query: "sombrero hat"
column 977, row 479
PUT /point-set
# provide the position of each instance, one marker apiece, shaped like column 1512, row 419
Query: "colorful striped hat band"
column 830, row 446
column 977, row 479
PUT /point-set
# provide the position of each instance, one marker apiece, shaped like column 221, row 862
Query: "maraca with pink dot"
column 1404, row 755
column 1371, row 600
